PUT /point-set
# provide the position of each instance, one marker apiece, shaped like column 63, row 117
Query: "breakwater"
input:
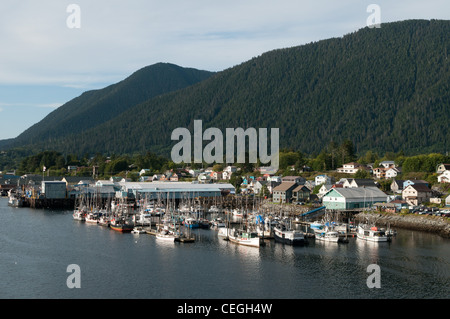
column 427, row 223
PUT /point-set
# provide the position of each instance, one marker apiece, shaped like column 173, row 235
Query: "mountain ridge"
column 383, row 89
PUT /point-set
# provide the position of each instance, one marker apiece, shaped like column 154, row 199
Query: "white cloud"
column 118, row 37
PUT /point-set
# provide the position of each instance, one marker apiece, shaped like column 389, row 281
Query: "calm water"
column 36, row 246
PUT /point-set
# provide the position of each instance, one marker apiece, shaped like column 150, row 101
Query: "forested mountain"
column 384, row 89
column 98, row 106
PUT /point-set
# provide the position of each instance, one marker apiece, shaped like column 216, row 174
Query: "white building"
column 444, row 177
column 324, row 179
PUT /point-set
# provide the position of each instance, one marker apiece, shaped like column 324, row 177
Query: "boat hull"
column 121, row 228
column 288, row 241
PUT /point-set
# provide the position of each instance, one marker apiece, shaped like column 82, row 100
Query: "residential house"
column 144, row 171
column 274, row 179
column 414, row 181
column 204, row 178
column 444, row 177
column 393, row 172
column 353, row 198
column 442, row 168
column 324, row 189
column 351, row 168
column 77, row 180
column 447, row 201
column 324, row 179
column 283, row 192
column 379, row 172
column 359, row 182
column 387, row 164
column 216, row 175
column 397, row 186
column 295, row 179
column 271, row 185
column 226, row 175
column 301, row 193
column 258, row 186
column 230, row 169
column 416, row 194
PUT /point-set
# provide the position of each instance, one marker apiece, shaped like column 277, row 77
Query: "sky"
column 51, row 51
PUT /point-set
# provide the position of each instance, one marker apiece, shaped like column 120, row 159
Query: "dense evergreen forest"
column 382, row 91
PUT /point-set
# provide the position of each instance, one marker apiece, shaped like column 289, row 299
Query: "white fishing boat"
column 372, row 233
column 166, row 234
column 92, row 218
column 327, row 235
column 244, row 238
column 218, row 223
column 79, row 215
column 138, row 230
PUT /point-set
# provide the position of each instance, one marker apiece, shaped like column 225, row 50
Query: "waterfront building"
column 353, row 198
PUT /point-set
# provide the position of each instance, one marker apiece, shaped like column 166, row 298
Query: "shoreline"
column 426, row 223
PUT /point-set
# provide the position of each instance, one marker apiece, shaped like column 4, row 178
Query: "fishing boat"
column 327, row 235
column 372, row 233
column 166, row 234
column 191, row 223
column 138, row 230
column 79, row 215
column 245, row 238
column 104, row 220
column 217, row 223
column 92, row 218
column 288, row 236
column 121, row 225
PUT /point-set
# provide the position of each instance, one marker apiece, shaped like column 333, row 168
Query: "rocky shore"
column 426, row 223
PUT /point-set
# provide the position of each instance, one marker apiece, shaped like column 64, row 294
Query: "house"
column 301, row 193
column 324, row 189
column 392, row 172
column 271, row 185
column 226, row 175
column 144, row 171
column 204, row 178
column 387, row 164
column 258, row 186
column 353, row 198
column 397, row 186
column 412, row 182
column 444, row 177
column 216, row 175
column 447, row 201
column 78, row 180
column 230, row 169
column 324, row 179
column 351, row 168
column 295, row 179
column 274, row 179
column 416, row 194
column 442, row 168
column 359, row 182
column 283, row 192
column 379, row 172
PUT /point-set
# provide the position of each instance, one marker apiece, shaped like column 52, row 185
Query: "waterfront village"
column 271, row 204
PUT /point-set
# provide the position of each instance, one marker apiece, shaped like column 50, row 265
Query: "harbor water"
column 37, row 246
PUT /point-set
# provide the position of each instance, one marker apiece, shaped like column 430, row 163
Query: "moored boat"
column 365, row 232
column 121, row 225
column 290, row 237
column 245, row 238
